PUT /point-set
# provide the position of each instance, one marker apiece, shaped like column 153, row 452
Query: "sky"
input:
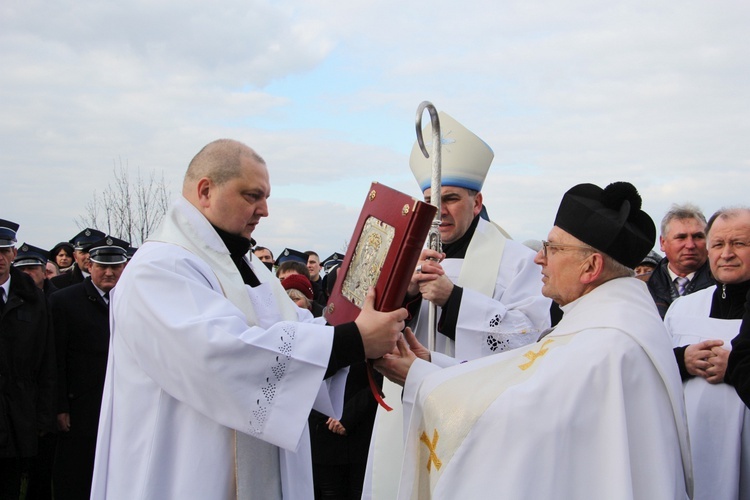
column 568, row 91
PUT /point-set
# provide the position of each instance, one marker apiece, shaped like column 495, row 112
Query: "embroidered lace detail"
column 286, row 345
column 499, row 338
column 496, row 344
column 269, row 392
column 275, row 372
column 278, row 371
column 260, row 416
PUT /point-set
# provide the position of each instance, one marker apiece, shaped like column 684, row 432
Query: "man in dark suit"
column 27, row 367
column 684, row 268
column 81, row 318
column 32, row 261
column 81, row 243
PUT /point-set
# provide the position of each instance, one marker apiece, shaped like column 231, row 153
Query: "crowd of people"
column 202, row 366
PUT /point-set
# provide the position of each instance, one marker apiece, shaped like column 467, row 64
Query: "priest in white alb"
column 212, row 369
column 592, row 410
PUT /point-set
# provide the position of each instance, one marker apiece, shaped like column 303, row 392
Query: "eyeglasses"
column 547, row 244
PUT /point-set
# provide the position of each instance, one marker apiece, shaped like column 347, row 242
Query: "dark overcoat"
column 27, row 368
column 65, row 280
column 81, row 319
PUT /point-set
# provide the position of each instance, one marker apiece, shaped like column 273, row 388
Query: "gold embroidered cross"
column 431, row 446
column 534, row 355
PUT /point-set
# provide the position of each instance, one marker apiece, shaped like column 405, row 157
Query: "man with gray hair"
column 707, row 321
column 684, row 269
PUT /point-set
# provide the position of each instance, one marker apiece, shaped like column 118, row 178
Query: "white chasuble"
column 591, row 411
column 197, row 357
column 718, row 420
column 443, row 428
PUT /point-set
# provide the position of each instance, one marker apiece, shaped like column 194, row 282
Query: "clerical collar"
column 237, row 245
column 457, row 249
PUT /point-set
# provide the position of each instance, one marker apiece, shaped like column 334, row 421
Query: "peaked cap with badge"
column 334, row 259
column 290, row 254
column 8, row 232
column 108, row 250
column 85, row 238
column 29, row 255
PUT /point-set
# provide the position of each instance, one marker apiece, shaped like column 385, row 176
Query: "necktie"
column 106, row 297
column 681, row 283
column 2, row 299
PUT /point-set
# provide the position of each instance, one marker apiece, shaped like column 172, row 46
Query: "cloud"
column 564, row 92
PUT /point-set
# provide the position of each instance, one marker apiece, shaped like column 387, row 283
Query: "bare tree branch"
column 128, row 209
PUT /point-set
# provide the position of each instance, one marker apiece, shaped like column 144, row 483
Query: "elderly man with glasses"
column 594, row 409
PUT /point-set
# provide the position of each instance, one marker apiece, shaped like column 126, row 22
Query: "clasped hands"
column 335, row 426
column 429, row 279
column 707, row 359
column 395, row 365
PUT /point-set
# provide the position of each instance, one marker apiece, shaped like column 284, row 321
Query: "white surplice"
column 502, row 307
column 593, row 410
column 718, row 420
column 196, row 355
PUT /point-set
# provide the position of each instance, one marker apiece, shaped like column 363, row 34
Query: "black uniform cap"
column 290, row 254
column 108, row 250
column 8, row 232
column 85, row 238
column 29, row 255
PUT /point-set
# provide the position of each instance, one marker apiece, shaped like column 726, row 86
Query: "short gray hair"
column 612, row 268
column 726, row 213
column 680, row 212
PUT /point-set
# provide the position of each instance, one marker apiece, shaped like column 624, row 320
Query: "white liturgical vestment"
column 593, row 410
column 718, row 420
column 502, row 307
column 200, row 367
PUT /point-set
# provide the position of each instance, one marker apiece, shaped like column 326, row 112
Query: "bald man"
column 213, row 370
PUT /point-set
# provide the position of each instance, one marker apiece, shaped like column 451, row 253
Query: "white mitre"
column 465, row 157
